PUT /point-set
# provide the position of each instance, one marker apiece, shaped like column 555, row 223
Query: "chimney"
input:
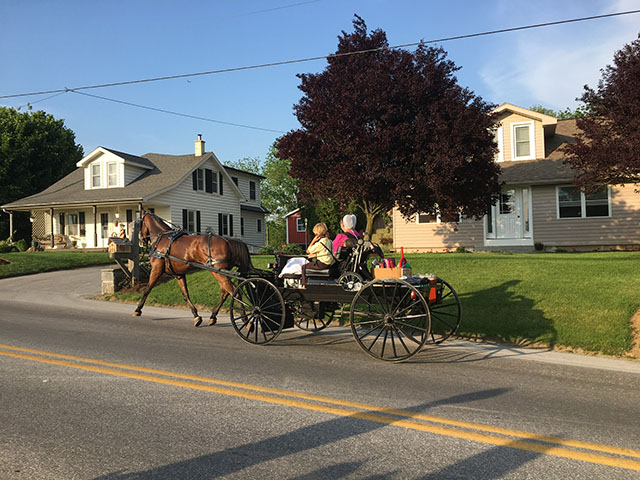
column 199, row 146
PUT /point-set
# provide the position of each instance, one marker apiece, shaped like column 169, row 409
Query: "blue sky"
column 48, row 45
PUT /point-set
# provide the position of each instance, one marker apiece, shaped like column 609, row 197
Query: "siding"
column 209, row 204
column 507, row 121
column 413, row 236
column 243, row 186
column 623, row 228
column 254, row 239
column 131, row 172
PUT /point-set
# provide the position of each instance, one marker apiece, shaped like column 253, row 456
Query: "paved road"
column 88, row 391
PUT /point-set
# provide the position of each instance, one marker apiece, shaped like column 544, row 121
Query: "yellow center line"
column 371, row 415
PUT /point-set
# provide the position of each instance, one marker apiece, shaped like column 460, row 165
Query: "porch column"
column 95, row 226
column 51, row 221
column 10, row 226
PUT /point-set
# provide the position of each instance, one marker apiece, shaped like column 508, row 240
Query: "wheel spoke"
column 414, row 327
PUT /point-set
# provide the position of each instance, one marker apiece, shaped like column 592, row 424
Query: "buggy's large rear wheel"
column 312, row 316
column 390, row 319
column 257, row 311
column 446, row 312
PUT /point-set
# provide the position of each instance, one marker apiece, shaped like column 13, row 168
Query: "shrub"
column 6, row 246
column 539, row 246
column 267, row 250
column 21, row 245
column 293, row 248
column 460, row 250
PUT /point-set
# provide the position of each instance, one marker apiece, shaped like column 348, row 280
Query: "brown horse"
column 213, row 250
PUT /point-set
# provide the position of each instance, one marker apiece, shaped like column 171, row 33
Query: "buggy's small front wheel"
column 257, row 311
column 313, row 316
column 350, row 281
column 390, row 319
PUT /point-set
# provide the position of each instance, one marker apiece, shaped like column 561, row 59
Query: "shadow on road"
column 232, row 460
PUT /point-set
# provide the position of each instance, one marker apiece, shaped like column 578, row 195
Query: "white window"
column 300, row 227
column 498, row 138
column 96, row 175
column 191, row 220
column 572, row 203
column 200, row 180
column 523, row 141
column 72, row 224
column 112, row 174
column 424, row 218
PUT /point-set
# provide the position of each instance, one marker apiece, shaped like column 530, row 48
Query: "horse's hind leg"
column 153, row 278
column 226, row 289
column 197, row 319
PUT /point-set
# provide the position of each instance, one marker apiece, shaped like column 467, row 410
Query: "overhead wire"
column 170, row 112
column 321, row 57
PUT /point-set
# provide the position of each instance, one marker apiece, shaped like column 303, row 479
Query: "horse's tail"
column 240, row 256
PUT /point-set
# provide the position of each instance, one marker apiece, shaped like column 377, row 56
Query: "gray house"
column 104, row 195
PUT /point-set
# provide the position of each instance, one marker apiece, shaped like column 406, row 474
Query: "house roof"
column 166, row 172
column 243, row 171
column 550, row 169
column 254, row 208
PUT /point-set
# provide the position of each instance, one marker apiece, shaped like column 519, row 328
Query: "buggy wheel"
column 390, row 319
column 446, row 313
column 312, row 316
column 350, row 281
column 257, row 311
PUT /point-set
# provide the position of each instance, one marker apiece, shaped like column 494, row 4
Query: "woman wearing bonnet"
column 348, row 225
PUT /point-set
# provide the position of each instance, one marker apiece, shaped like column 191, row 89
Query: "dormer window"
column 96, row 175
column 112, row 174
column 523, row 145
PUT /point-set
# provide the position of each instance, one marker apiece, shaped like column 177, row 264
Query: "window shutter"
column 208, row 177
column 220, row 178
column 194, row 177
column 81, row 220
column 197, row 221
column 129, row 216
column 231, row 225
column 185, row 218
column 219, row 224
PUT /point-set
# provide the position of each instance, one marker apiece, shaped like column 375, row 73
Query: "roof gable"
column 125, row 157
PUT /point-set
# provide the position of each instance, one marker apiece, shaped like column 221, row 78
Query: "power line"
column 186, row 115
column 323, row 57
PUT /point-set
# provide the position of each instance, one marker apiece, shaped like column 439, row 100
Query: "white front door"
column 509, row 214
column 508, row 222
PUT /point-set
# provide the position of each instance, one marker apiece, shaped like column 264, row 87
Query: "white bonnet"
column 349, row 222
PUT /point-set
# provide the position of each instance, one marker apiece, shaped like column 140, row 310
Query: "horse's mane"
column 239, row 254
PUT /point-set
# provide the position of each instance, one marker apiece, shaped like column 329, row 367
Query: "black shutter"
column 81, row 220
column 194, row 177
column 208, row 177
column 220, row 178
column 129, row 216
column 231, row 225
column 219, row 224
column 197, row 221
column 185, row 218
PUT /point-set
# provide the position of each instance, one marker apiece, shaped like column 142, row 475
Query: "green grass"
column 577, row 300
column 25, row 263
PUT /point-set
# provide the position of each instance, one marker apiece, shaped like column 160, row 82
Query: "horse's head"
column 145, row 231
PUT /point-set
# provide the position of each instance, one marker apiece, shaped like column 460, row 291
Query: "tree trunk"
column 371, row 211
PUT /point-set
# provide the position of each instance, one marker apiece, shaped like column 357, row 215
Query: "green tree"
column 36, row 150
column 279, row 189
column 565, row 114
column 392, row 128
column 606, row 149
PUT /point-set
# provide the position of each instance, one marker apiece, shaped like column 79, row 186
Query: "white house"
column 108, row 189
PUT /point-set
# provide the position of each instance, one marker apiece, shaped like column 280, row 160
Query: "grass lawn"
column 23, row 263
column 578, row 300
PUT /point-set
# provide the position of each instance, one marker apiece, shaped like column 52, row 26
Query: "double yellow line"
column 521, row 440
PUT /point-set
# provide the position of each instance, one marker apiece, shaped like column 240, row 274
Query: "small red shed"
column 296, row 227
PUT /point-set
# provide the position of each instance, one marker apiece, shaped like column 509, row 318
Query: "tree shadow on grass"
column 499, row 313
column 236, row 459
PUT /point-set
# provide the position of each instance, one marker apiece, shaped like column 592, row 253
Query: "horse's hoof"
column 136, row 314
column 213, row 321
column 197, row 321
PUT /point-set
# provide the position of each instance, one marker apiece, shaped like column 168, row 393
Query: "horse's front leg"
column 182, row 281
column 153, row 278
column 226, row 289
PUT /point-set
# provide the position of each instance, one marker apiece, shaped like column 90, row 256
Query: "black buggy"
column 390, row 318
